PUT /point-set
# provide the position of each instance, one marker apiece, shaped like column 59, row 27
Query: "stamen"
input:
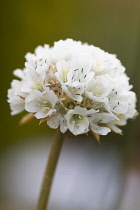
column 117, row 123
column 37, row 87
column 120, row 116
column 73, row 121
column 65, row 79
column 114, row 107
column 95, row 87
column 98, row 92
column 45, row 108
column 73, row 76
column 65, row 71
column 98, row 64
column 61, row 76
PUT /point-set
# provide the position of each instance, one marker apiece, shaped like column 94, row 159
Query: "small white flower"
column 80, row 70
column 101, row 118
column 16, row 97
column 41, row 103
column 32, row 81
column 74, row 86
column 99, row 88
column 117, row 102
column 38, row 61
column 74, row 91
column 78, row 121
column 73, row 76
column 105, row 63
column 58, row 118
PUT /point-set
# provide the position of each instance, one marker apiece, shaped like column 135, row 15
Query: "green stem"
column 50, row 170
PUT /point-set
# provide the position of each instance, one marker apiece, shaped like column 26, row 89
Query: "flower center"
column 38, row 86
column 96, row 90
column 64, row 75
column 45, row 105
column 77, row 119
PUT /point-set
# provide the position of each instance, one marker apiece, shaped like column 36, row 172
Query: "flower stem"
column 50, row 170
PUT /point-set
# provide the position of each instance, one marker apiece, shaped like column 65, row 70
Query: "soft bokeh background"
column 88, row 176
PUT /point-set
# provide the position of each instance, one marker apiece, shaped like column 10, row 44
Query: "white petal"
column 19, row 73
column 78, row 110
column 74, row 91
column 100, row 130
column 63, row 126
column 114, row 128
column 17, row 108
column 42, row 114
column 99, row 88
column 50, row 95
column 54, row 121
column 103, row 118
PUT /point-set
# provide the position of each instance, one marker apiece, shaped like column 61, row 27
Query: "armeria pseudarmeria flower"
column 76, row 86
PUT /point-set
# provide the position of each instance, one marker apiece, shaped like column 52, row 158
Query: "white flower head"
column 74, row 86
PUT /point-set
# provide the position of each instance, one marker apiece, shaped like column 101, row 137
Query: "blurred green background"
column 111, row 25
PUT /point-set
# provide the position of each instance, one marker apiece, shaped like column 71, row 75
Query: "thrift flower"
column 76, row 86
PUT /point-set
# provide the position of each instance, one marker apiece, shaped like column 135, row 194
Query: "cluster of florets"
column 76, row 86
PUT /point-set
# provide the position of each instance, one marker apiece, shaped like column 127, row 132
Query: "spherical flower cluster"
column 76, row 86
